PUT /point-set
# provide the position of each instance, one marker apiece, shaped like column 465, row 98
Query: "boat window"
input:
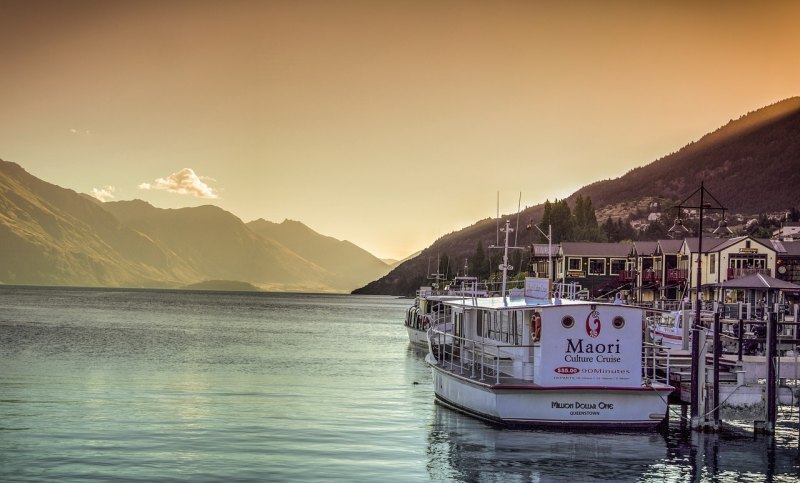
column 518, row 327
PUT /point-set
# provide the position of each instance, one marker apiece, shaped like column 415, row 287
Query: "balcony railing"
column 626, row 276
column 677, row 275
column 743, row 272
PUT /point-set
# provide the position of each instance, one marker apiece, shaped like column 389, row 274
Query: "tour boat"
column 418, row 316
column 539, row 357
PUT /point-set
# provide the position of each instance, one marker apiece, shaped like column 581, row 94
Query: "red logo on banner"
column 593, row 324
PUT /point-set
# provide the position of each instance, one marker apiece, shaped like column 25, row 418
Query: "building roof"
column 670, row 246
column 719, row 244
column 540, row 250
column 645, row 248
column 791, row 248
column 777, row 245
column 757, row 281
column 783, row 247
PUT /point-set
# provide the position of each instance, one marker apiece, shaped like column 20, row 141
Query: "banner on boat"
column 591, row 345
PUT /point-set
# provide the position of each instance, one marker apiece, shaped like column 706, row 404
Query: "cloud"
column 184, row 182
column 106, row 193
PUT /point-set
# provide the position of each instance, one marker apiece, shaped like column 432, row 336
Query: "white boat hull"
column 417, row 338
column 667, row 337
column 642, row 407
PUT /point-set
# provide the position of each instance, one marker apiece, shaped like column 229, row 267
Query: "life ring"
column 536, row 326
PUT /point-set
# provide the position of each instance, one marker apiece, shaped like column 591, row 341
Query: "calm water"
column 121, row 385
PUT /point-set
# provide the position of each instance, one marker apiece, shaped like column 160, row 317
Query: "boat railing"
column 569, row 290
column 655, row 362
column 479, row 360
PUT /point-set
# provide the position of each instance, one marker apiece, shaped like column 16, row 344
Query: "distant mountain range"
column 751, row 164
column 54, row 236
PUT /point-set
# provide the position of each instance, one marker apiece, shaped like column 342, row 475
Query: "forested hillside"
column 751, row 164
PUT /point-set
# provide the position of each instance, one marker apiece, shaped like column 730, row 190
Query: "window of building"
column 617, row 265
column 574, row 264
column 597, row 266
column 712, row 263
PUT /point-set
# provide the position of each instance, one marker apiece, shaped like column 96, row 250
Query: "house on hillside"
column 790, row 231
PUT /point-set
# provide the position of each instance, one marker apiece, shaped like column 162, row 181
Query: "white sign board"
column 590, row 345
column 537, row 288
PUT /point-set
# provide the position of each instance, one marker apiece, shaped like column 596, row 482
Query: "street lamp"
column 677, row 228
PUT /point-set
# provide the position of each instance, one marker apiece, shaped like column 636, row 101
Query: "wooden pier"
column 736, row 382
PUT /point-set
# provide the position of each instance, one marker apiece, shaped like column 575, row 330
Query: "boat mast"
column 505, row 267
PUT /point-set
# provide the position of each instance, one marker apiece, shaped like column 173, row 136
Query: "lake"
column 149, row 385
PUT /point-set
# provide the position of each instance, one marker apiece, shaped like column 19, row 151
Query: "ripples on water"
column 130, row 385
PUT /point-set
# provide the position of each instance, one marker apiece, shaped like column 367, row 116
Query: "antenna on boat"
column 505, row 267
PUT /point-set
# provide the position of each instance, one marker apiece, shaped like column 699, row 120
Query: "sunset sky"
column 386, row 123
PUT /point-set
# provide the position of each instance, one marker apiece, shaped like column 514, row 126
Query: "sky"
column 388, row 123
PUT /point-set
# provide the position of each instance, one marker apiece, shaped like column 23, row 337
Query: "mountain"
column 752, row 165
column 350, row 265
column 54, row 236
column 207, row 242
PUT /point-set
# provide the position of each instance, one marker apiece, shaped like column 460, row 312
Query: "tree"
column 477, row 264
column 559, row 216
column 585, row 222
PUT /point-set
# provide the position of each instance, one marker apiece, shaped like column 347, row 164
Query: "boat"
column 418, row 316
column 542, row 357
column 668, row 329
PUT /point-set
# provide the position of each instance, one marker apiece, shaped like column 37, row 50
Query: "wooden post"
column 741, row 338
column 717, row 351
column 772, row 412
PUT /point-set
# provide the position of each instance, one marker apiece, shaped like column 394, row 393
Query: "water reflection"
column 730, row 455
column 465, row 449
column 461, row 448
